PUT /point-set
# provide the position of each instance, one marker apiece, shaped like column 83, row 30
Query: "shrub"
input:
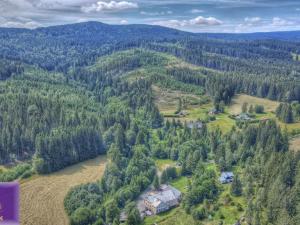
column 199, row 214
column 259, row 109
column 82, row 216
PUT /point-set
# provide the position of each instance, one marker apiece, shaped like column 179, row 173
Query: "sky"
column 217, row 16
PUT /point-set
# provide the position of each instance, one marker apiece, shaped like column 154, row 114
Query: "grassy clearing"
column 162, row 164
column 174, row 216
column 229, row 207
column 270, row 108
column 41, row 197
column 181, row 184
column 167, row 100
column 223, row 122
column 239, row 100
column 295, row 144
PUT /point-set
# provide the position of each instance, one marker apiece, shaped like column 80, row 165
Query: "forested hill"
column 50, row 63
column 59, row 47
column 283, row 35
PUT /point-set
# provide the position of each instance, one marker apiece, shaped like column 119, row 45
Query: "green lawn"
column 181, row 184
column 228, row 207
column 223, row 122
column 161, row 164
column 175, row 216
column 228, row 211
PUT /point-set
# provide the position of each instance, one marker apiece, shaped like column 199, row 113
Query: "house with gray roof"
column 243, row 117
column 226, row 177
column 163, row 199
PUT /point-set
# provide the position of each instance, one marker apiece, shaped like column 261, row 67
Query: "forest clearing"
column 239, row 100
column 42, row 197
column 295, row 144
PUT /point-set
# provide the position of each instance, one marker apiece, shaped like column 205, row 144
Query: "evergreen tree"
column 245, row 107
column 236, row 186
column 156, row 182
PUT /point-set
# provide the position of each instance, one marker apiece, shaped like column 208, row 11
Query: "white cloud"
column 195, row 11
column 171, row 23
column 198, row 21
column 210, row 21
column 169, row 12
column 277, row 21
column 123, row 22
column 17, row 24
column 252, row 20
column 111, row 6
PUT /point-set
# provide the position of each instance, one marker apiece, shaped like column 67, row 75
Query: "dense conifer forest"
column 70, row 93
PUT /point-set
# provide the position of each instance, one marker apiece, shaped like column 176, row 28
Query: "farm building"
column 163, row 199
column 243, row 117
column 226, row 177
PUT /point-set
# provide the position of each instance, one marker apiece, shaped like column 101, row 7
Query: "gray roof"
column 167, row 194
column 225, row 176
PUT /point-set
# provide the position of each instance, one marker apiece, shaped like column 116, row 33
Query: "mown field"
column 42, row 197
column 239, row 100
column 295, row 144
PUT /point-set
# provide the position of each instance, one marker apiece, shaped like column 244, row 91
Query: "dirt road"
column 42, row 197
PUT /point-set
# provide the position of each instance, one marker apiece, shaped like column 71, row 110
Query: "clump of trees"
column 284, row 113
column 236, row 186
column 168, row 174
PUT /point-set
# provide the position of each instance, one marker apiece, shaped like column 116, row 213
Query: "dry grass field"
column 167, row 100
column 238, row 100
column 295, row 144
column 42, row 196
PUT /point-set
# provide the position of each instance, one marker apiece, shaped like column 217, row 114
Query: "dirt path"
column 42, row 197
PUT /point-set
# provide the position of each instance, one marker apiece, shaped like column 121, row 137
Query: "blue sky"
column 189, row 15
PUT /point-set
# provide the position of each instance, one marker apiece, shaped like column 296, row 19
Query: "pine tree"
column 244, row 107
column 156, row 182
column 236, row 186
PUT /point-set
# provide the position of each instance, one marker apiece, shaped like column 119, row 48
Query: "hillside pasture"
column 295, row 144
column 167, row 102
column 239, row 100
column 197, row 108
column 42, row 197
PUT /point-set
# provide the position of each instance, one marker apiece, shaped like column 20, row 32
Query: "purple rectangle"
column 9, row 203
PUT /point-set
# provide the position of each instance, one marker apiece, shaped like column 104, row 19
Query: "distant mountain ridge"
column 60, row 47
column 146, row 32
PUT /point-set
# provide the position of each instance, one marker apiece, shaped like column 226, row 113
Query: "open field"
column 295, row 144
column 167, row 100
column 162, row 164
column 237, row 102
column 42, row 196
